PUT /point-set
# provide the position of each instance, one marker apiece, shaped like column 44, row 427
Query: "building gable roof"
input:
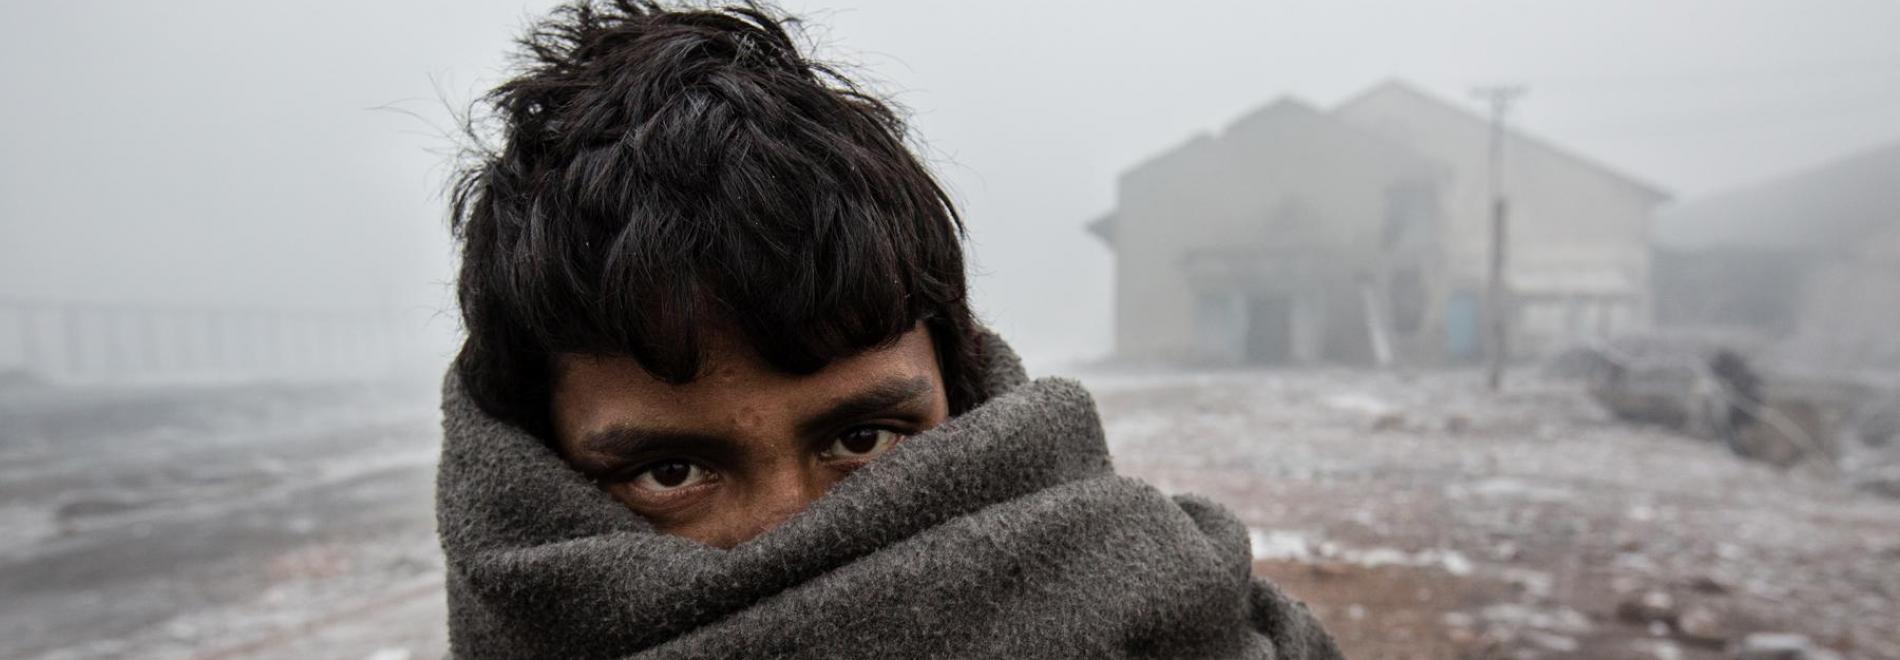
column 1285, row 110
column 1408, row 98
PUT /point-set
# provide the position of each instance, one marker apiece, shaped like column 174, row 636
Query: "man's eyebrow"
column 633, row 441
column 872, row 400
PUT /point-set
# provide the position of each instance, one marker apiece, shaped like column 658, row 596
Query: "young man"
column 722, row 394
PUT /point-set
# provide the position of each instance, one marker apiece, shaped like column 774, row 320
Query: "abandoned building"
column 1809, row 262
column 1360, row 235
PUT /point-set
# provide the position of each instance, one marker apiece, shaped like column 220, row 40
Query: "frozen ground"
column 1420, row 516
column 1424, row 517
column 218, row 522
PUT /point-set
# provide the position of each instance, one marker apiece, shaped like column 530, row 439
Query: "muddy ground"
column 1420, row 517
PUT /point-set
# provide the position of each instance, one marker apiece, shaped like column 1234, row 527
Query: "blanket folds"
column 1003, row 533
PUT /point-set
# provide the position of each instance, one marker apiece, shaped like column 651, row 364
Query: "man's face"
column 736, row 452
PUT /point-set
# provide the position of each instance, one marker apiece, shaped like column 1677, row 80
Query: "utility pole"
column 1495, row 303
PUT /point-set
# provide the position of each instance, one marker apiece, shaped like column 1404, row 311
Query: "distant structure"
column 1360, row 235
column 1808, row 261
column 80, row 343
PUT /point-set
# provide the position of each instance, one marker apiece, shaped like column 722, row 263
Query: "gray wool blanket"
column 1003, row 533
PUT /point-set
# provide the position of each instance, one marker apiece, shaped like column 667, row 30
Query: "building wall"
column 1285, row 180
column 1571, row 224
column 1732, row 289
column 1850, row 308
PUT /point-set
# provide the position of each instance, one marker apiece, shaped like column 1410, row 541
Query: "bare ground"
column 1420, row 517
column 1426, row 518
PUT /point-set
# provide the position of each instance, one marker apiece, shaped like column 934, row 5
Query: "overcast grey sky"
column 232, row 153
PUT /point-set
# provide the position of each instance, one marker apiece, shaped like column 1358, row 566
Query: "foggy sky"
column 247, row 153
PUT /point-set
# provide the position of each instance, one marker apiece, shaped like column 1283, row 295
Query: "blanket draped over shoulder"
column 1003, row 533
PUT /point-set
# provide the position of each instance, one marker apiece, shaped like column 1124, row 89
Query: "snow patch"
column 1359, row 403
column 1283, row 545
column 1508, row 488
column 1279, row 545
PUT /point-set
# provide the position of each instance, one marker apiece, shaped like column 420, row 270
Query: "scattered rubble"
column 1648, row 607
column 1537, row 525
column 1702, row 626
column 1699, row 387
column 1707, row 585
column 1781, row 646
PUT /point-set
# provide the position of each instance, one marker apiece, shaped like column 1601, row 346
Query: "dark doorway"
column 1269, row 329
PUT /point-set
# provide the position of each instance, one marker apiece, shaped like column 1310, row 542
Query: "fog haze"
column 229, row 153
column 1260, row 234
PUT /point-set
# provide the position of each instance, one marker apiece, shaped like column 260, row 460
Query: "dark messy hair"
column 666, row 171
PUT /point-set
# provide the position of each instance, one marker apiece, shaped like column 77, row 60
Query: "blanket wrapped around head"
column 1003, row 533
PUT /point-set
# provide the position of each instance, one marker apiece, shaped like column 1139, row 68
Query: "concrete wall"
column 1572, row 223
column 1851, row 308
column 1284, row 180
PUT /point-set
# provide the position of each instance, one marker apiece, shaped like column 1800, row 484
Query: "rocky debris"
column 1662, row 615
column 1653, row 649
column 1458, row 620
column 1669, row 395
column 1550, row 641
column 1879, row 424
column 1705, row 584
column 1871, row 457
column 1781, row 646
column 1884, row 487
column 1544, row 515
column 1711, row 391
column 1524, row 617
column 1674, row 382
column 1332, row 568
column 1648, row 607
column 1701, row 626
column 1785, row 433
column 1529, row 631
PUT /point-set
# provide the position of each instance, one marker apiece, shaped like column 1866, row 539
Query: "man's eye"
column 669, row 475
column 862, row 442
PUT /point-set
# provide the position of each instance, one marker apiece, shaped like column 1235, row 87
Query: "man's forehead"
column 601, row 391
column 729, row 361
